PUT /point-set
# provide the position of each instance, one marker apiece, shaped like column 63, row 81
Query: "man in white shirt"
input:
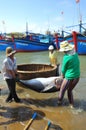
column 9, row 74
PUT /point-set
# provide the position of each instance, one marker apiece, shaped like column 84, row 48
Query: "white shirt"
column 8, row 64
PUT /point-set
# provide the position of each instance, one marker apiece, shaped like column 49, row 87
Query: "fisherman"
column 53, row 58
column 70, row 71
column 9, row 70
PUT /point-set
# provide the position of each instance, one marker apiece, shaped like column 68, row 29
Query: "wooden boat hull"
column 30, row 71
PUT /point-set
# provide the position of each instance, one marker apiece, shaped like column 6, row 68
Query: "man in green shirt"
column 70, row 71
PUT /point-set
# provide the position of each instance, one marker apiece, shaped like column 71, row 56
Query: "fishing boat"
column 37, row 43
column 79, row 41
column 6, row 43
column 24, row 45
column 34, row 46
column 77, row 37
column 30, row 71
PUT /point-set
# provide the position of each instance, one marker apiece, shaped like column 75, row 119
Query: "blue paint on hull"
column 30, row 46
column 81, row 43
column 24, row 45
column 4, row 44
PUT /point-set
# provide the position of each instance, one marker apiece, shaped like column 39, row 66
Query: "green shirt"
column 71, row 66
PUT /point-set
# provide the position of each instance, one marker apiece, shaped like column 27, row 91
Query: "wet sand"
column 15, row 116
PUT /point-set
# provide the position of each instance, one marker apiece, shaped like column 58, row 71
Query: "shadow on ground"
column 18, row 114
column 52, row 102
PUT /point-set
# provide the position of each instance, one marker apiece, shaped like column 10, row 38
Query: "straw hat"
column 66, row 46
column 10, row 51
column 51, row 47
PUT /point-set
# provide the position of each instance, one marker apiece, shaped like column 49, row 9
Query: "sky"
column 41, row 15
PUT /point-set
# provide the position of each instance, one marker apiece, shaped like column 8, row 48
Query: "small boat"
column 42, row 85
column 79, row 41
column 30, row 71
column 38, row 77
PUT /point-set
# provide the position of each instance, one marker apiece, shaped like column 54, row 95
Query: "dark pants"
column 57, row 70
column 11, row 83
column 68, row 85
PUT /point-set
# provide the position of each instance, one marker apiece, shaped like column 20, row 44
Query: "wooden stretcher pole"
column 46, row 128
column 30, row 121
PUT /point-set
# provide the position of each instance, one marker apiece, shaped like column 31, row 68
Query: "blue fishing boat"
column 29, row 43
column 79, row 41
column 23, row 45
column 39, row 44
column 6, row 43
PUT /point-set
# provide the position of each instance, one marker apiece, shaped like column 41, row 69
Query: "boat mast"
column 4, row 28
column 80, row 16
column 26, row 28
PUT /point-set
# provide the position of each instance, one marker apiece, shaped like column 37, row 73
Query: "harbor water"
column 15, row 116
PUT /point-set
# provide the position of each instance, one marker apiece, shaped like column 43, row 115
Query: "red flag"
column 77, row 1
